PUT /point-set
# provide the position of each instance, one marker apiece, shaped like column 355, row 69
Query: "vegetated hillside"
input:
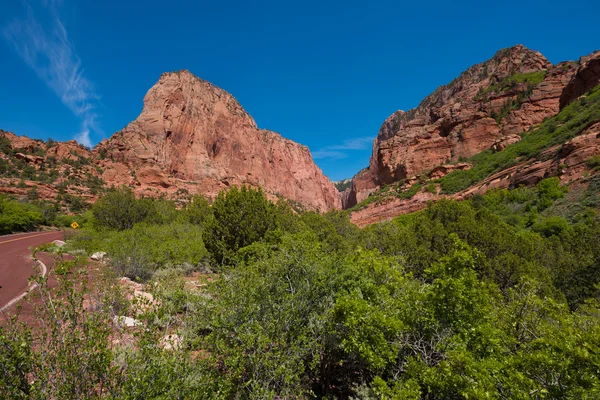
column 63, row 176
column 472, row 129
column 190, row 138
column 343, row 184
column 492, row 297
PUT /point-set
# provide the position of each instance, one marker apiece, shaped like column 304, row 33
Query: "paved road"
column 15, row 261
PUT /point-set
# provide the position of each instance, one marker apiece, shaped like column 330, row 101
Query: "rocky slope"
column 193, row 137
column 489, row 107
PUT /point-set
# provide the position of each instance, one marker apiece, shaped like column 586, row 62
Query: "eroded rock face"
column 487, row 106
column 192, row 135
column 587, row 77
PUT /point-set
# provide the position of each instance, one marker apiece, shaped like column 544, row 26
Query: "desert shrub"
column 198, row 210
column 593, row 162
column 120, row 210
column 240, row 218
column 137, row 253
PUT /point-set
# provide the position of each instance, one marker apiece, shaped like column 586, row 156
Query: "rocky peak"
column 182, row 94
column 516, row 89
column 193, row 136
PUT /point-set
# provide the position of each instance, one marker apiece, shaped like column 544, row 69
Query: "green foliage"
column 198, row 211
column 241, row 217
column 531, row 79
column 18, row 217
column 343, row 185
column 5, row 146
column 119, row 210
column 593, row 162
column 431, row 188
column 414, row 189
column 139, row 252
column 492, row 297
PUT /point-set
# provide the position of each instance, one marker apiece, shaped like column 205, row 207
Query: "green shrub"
column 198, row 211
column 551, row 226
column 18, row 217
column 241, row 217
column 414, row 189
column 593, row 162
column 120, row 210
column 138, row 252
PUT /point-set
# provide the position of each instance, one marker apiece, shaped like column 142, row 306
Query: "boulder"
column 98, row 256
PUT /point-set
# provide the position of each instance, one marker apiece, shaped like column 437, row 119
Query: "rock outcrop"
column 586, row 78
column 486, row 106
column 194, row 136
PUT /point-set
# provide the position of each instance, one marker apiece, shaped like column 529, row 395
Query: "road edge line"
column 29, row 290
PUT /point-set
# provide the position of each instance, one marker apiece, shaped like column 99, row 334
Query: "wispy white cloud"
column 338, row 151
column 44, row 46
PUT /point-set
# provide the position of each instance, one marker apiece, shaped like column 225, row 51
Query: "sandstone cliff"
column 196, row 137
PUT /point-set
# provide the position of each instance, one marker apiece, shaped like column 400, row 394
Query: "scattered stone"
column 129, row 284
column 98, row 256
column 505, row 141
column 170, row 342
column 123, row 321
column 443, row 170
column 143, row 296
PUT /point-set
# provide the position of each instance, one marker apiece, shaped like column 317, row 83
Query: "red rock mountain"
column 489, row 106
column 193, row 137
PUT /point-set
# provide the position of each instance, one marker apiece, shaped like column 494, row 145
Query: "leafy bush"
column 18, row 217
column 198, row 211
column 120, row 210
column 138, row 252
column 241, row 217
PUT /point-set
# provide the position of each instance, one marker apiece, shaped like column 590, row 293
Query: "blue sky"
column 322, row 73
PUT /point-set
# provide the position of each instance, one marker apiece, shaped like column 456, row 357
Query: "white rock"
column 98, row 256
column 129, row 322
column 170, row 342
column 58, row 243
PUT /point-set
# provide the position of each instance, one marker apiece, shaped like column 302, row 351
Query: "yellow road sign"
column 74, row 225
